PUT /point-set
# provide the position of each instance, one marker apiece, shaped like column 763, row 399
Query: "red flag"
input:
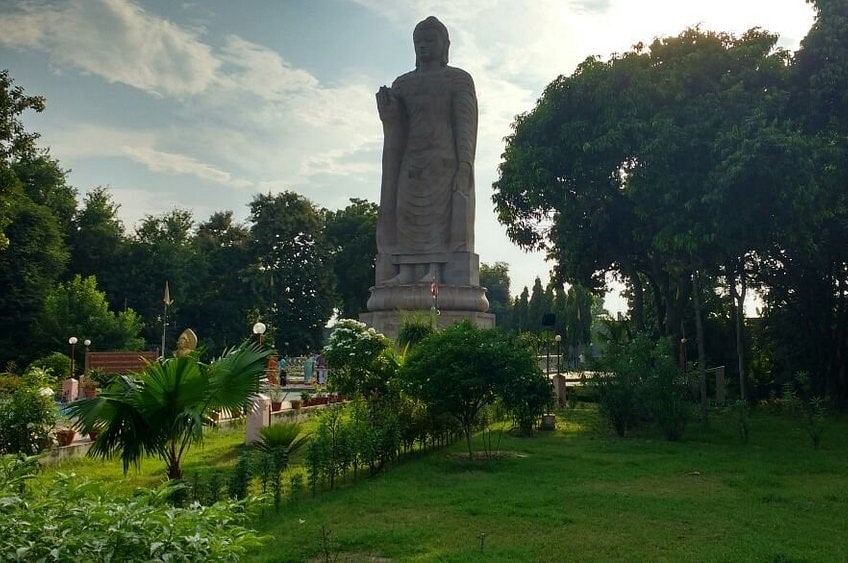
column 434, row 288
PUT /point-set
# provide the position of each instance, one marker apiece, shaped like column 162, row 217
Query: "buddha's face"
column 428, row 45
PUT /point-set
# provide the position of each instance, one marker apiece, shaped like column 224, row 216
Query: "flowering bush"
column 27, row 414
column 360, row 358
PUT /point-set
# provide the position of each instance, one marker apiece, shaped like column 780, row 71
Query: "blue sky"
column 202, row 104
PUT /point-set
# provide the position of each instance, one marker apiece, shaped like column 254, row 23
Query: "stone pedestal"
column 259, row 417
column 560, row 389
column 390, row 322
column 418, row 297
column 70, row 390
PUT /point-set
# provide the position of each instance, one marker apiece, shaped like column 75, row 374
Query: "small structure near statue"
column 425, row 231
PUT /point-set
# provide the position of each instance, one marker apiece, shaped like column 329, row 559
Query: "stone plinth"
column 418, row 297
column 259, row 417
column 390, row 322
column 70, row 390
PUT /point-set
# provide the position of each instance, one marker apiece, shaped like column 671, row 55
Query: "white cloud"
column 171, row 163
column 243, row 115
column 115, row 40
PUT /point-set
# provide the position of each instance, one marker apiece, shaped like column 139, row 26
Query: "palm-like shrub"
column 286, row 436
column 160, row 412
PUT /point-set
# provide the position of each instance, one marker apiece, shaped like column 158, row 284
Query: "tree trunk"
column 702, row 353
column 738, row 310
column 173, row 463
column 638, row 299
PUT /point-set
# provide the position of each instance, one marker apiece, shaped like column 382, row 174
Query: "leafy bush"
column 57, row 365
column 639, row 380
column 27, row 415
column 742, row 413
column 811, row 409
column 70, row 520
column 414, row 329
column 461, row 369
column 527, row 395
column 666, row 394
column 357, row 356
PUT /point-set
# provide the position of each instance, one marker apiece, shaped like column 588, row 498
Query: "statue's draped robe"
column 420, row 211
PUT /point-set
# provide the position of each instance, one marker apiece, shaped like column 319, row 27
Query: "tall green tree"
column 536, row 307
column 16, row 143
column 623, row 157
column 219, row 306
column 292, row 274
column 78, row 308
column 30, row 266
column 521, row 309
column 99, row 245
column 806, row 318
column 33, row 253
column 352, row 235
column 495, row 278
column 161, row 251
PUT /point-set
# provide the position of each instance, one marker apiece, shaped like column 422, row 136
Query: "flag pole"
column 167, row 300
column 434, row 291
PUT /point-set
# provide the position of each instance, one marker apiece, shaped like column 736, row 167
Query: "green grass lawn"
column 578, row 493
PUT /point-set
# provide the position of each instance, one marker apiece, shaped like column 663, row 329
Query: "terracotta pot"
column 65, row 436
column 93, row 435
column 296, row 403
column 276, row 406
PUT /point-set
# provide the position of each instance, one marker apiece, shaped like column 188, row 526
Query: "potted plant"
column 306, row 398
column 275, row 391
column 88, row 387
column 64, row 436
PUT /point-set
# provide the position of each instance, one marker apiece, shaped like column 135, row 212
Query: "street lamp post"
column 558, row 339
column 86, row 343
column 259, row 329
column 73, row 342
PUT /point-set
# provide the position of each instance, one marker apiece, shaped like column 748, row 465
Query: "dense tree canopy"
column 703, row 161
column 352, row 235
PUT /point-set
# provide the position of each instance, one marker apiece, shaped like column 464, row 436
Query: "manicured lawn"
column 578, row 493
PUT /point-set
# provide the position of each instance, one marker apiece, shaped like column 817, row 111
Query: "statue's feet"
column 402, row 278
column 430, row 276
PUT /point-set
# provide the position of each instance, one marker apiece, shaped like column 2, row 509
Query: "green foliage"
column 27, row 414
column 742, row 414
column 68, row 520
column 666, row 393
column 461, row 369
column 414, row 329
column 812, row 410
column 352, row 235
column 79, row 308
column 57, row 365
column 161, row 411
column 239, row 482
column 290, row 273
column 495, row 278
column 359, row 358
column 277, row 443
column 639, row 380
column 29, row 269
